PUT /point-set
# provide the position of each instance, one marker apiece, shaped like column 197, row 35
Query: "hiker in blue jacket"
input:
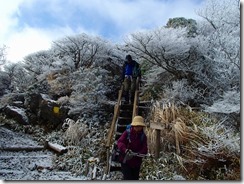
column 131, row 70
column 136, row 142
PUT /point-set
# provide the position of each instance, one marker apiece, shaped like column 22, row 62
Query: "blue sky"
column 28, row 26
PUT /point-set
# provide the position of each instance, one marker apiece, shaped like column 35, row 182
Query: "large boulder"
column 45, row 110
column 33, row 108
column 16, row 113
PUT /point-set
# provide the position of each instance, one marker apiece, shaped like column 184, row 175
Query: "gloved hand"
column 128, row 154
column 128, row 151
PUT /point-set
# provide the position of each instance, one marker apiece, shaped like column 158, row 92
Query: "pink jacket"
column 136, row 145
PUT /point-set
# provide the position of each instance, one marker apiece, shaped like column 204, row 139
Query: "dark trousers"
column 130, row 173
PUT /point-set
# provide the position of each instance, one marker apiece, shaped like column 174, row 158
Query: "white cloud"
column 31, row 40
column 25, row 42
column 6, row 10
column 126, row 17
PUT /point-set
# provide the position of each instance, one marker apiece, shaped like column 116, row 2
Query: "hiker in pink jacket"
column 133, row 141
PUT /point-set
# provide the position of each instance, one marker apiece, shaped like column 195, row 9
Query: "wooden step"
column 115, row 168
column 124, row 120
column 117, row 135
column 126, row 113
column 126, row 107
column 145, row 103
column 144, row 107
column 121, row 128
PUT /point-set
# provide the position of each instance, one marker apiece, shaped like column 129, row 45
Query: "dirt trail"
column 31, row 165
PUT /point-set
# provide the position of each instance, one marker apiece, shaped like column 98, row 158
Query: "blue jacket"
column 132, row 68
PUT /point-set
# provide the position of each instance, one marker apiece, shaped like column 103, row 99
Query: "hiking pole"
column 131, row 154
column 139, row 154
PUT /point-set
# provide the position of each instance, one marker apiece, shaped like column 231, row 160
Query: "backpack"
column 116, row 152
column 128, row 128
column 136, row 70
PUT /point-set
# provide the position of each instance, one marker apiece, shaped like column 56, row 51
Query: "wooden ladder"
column 123, row 115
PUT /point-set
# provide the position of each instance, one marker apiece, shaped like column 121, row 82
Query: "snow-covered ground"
column 22, row 165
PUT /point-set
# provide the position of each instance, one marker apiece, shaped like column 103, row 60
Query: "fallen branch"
column 56, row 147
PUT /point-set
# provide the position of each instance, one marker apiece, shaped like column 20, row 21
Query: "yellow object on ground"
column 56, row 110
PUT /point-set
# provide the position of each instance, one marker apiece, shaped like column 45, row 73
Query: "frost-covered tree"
column 210, row 61
column 167, row 48
column 223, row 21
column 84, row 50
column 37, row 63
column 49, row 70
column 42, row 63
column 174, row 52
column 18, row 77
column 219, row 41
column 89, row 91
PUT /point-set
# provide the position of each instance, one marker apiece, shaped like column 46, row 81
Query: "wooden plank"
column 157, row 126
column 22, row 148
column 23, row 157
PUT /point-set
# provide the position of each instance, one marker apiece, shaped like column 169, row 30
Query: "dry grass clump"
column 75, row 132
column 174, row 130
column 203, row 147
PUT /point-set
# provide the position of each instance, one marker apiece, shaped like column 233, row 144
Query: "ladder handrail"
column 111, row 130
column 136, row 99
column 115, row 117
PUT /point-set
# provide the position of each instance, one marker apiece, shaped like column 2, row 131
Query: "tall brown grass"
column 203, row 146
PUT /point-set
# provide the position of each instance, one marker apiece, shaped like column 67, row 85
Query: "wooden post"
column 158, row 128
column 157, row 151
